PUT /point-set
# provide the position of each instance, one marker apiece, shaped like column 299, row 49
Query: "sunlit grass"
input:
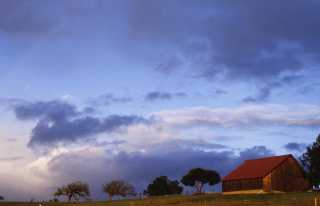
column 290, row 199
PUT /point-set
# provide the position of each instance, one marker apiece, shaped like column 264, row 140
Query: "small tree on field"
column 198, row 177
column 54, row 200
column 311, row 162
column 118, row 187
column 75, row 191
column 1, row 198
column 163, row 186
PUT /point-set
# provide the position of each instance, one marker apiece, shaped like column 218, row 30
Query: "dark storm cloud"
column 158, row 95
column 61, row 122
column 141, row 168
column 27, row 17
column 66, row 131
column 241, row 40
column 51, row 110
column 295, row 147
column 256, row 151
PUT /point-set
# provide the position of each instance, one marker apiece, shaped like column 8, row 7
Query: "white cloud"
column 248, row 115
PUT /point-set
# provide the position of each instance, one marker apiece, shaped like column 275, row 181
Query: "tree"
column 198, row 177
column 1, row 198
column 54, row 200
column 311, row 162
column 163, row 186
column 118, row 187
column 74, row 190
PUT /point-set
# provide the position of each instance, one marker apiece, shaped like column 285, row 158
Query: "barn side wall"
column 288, row 177
column 236, row 185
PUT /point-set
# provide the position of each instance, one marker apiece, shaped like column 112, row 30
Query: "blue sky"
column 137, row 89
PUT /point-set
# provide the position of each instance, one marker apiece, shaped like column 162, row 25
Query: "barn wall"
column 235, row 185
column 267, row 183
column 288, row 177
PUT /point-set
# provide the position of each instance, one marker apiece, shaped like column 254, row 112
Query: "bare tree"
column 118, row 187
column 74, row 190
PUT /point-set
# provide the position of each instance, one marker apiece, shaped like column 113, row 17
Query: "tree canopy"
column 74, row 190
column 198, row 177
column 1, row 198
column 163, row 186
column 311, row 162
column 118, row 187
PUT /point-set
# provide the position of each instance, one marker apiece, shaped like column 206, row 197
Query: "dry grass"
column 290, row 199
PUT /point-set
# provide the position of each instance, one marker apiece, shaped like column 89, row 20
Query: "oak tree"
column 198, row 177
column 118, row 188
column 74, row 190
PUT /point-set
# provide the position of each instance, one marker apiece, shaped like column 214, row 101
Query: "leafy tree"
column 163, row 186
column 118, row 187
column 311, row 162
column 1, row 198
column 198, row 177
column 74, row 190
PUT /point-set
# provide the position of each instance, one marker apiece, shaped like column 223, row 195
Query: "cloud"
column 259, row 41
column 256, row 42
column 170, row 65
column 29, row 17
column 50, row 110
column 242, row 116
column 61, row 122
column 108, row 99
column 46, row 133
column 157, row 95
column 263, row 94
column 220, row 92
column 296, row 147
column 256, row 151
column 10, row 159
column 11, row 139
column 265, row 91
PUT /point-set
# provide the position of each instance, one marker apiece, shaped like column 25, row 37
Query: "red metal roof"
column 256, row 168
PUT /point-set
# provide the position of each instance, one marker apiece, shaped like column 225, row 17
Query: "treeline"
column 160, row 186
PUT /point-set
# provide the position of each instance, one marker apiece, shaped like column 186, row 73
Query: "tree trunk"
column 199, row 186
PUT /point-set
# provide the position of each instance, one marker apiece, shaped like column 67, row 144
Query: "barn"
column 269, row 174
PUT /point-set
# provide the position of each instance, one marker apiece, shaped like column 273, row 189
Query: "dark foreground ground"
column 290, row 199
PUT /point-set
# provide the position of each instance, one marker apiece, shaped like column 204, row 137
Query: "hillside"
column 292, row 199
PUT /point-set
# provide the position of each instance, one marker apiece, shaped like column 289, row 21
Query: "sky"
column 97, row 90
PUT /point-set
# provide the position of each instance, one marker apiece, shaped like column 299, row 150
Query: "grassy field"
column 291, row 199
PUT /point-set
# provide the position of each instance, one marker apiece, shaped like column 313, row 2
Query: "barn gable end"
column 277, row 173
